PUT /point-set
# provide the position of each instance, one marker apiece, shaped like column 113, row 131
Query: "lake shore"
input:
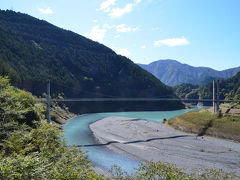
column 146, row 141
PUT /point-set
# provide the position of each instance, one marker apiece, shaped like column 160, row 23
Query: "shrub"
column 165, row 171
column 164, row 120
column 41, row 154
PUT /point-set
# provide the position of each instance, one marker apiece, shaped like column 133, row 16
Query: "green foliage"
column 30, row 148
column 165, row 171
column 17, row 104
column 207, row 79
column 41, row 154
column 229, row 90
column 184, row 90
column 6, row 70
column 17, row 108
column 213, row 174
column 158, row 170
column 38, row 51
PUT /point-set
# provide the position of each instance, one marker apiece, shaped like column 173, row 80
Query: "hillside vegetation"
column 172, row 72
column 34, row 51
column 229, row 89
column 29, row 147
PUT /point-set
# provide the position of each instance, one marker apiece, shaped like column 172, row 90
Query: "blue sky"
column 195, row 32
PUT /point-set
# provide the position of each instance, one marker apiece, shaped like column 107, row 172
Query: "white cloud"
column 95, row 20
column 116, row 36
column 172, row 42
column 97, row 34
column 118, row 12
column 105, row 6
column 155, row 28
column 137, row 1
column 46, row 11
column 107, row 26
column 125, row 28
column 143, row 46
column 122, row 51
column 121, row 28
column 115, row 12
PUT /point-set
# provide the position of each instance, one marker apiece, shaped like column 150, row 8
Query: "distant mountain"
column 172, row 72
column 206, row 80
column 34, row 51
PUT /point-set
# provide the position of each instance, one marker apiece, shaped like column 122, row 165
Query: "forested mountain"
column 184, row 91
column 206, row 80
column 173, row 73
column 228, row 89
column 34, row 51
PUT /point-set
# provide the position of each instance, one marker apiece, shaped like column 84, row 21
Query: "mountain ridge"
column 172, row 72
column 33, row 51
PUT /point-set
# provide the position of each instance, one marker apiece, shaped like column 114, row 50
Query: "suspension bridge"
column 215, row 100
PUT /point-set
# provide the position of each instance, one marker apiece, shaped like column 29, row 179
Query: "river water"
column 76, row 131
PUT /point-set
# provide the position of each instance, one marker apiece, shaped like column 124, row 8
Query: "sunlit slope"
column 172, row 72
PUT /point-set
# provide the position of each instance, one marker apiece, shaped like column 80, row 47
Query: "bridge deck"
column 133, row 99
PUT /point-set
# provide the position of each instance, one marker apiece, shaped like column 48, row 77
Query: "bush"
column 164, row 171
column 164, row 120
column 30, row 148
column 41, row 154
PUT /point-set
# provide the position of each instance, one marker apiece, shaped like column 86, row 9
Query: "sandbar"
column 154, row 141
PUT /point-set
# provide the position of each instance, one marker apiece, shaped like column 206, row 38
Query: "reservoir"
column 76, row 131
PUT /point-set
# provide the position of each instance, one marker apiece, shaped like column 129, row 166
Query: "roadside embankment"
column 146, row 141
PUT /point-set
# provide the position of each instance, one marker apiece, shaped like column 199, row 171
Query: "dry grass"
column 204, row 122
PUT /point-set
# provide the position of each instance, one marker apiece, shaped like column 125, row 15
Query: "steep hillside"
column 229, row 89
column 33, row 51
column 173, row 73
column 206, row 80
column 184, row 90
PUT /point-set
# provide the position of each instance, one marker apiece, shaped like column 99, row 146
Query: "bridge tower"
column 215, row 100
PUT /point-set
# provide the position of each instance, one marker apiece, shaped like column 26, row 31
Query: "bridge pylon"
column 215, row 99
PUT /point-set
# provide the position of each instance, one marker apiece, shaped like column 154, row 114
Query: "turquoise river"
column 76, row 131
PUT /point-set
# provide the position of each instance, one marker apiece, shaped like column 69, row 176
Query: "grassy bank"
column 205, row 123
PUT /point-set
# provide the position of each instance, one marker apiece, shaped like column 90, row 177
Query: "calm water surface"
column 77, row 132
